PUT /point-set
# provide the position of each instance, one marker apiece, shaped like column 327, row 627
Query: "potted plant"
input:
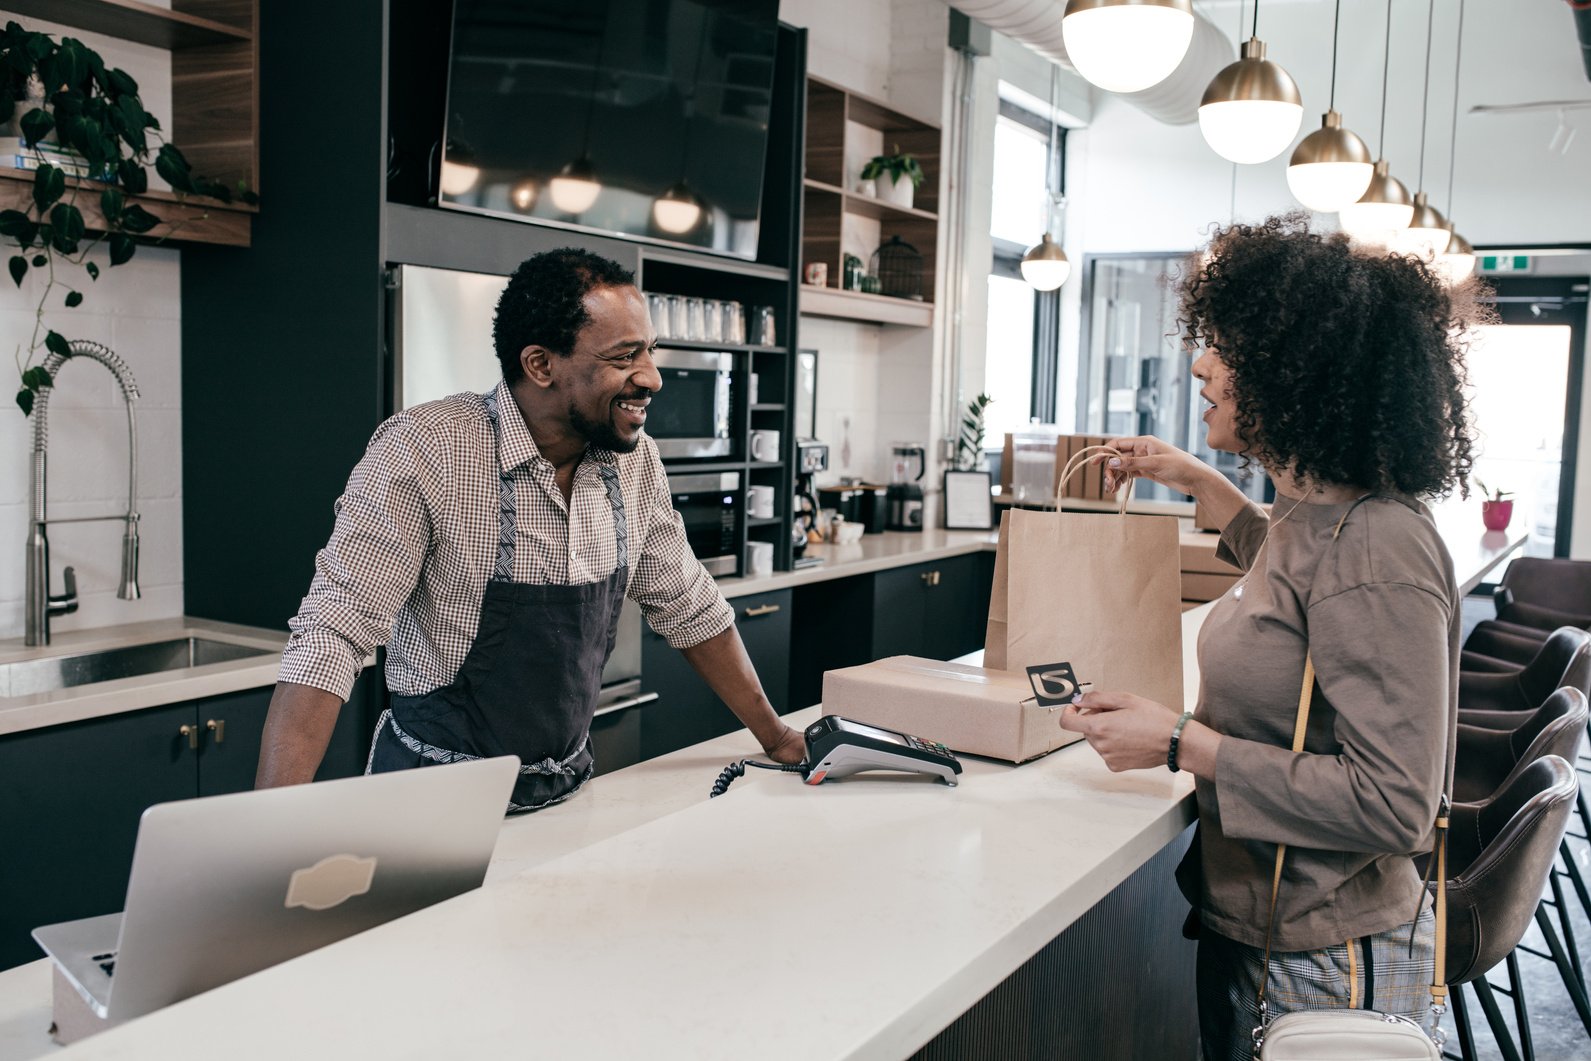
column 969, row 440
column 71, row 116
column 898, row 176
column 1495, row 510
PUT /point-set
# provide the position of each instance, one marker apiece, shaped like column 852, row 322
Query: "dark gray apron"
column 530, row 682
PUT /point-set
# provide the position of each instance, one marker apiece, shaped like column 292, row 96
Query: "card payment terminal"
column 838, row 747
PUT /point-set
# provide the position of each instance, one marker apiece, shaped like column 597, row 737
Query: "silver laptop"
column 227, row 885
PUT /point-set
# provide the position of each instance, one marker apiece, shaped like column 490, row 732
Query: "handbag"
column 1321, row 1034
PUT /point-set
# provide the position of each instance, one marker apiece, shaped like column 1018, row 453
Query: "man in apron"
column 489, row 542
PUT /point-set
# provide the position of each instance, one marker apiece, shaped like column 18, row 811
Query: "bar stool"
column 1500, row 853
column 1545, row 593
column 1488, row 760
column 1496, row 700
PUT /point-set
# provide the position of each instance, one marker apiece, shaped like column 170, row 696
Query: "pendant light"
column 1045, row 265
column 1385, row 207
column 1251, row 110
column 523, row 194
column 1126, row 45
column 678, row 210
column 459, row 171
column 576, row 187
column 1331, row 167
column 1428, row 233
column 1457, row 263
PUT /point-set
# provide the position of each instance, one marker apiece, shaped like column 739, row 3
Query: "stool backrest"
column 1553, row 583
column 1564, row 660
column 1506, row 845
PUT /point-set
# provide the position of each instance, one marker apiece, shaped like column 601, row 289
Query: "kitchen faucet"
column 40, row 603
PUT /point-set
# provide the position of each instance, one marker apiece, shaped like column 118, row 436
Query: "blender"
column 908, row 461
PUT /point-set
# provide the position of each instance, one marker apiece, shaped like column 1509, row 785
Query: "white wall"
column 135, row 309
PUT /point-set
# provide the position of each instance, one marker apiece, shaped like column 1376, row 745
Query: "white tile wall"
column 135, row 309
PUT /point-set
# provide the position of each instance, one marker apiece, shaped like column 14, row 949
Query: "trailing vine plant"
column 74, row 113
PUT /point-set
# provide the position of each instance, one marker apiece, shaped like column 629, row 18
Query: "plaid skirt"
column 1377, row 972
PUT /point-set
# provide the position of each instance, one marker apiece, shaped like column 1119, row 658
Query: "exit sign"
column 1505, row 263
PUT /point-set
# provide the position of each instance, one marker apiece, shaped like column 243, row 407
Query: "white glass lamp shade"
column 575, row 188
column 1045, row 266
column 677, row 210
column 1330, row 168
column 1381, row 212
column 1457, row 263
column 1428, row 233
column 1251, row 110
column 1126, row 45
column 459, row 171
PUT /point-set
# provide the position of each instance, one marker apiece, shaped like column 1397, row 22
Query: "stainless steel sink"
column 62, row 672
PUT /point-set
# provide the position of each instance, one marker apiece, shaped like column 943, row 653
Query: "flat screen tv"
column 646, row 119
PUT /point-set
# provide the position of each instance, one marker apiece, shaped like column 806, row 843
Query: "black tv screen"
column 640, row 118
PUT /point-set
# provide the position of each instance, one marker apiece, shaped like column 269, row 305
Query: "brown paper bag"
column 1100, row 591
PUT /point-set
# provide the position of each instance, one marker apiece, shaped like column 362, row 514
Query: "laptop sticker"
column 330, row 882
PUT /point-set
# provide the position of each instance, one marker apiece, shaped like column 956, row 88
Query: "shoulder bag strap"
column 1438, row 861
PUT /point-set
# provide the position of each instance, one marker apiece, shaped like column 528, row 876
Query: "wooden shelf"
column 157, row 27
column 881, row 210
column 768, row 407
column 714, row 347
column 859, row 306
column 820, row 186
column 768, row 521
column 191, row 220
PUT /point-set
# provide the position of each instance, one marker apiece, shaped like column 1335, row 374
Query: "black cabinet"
column 686, row 711
column 71, row 797
column 616, row 739
column 938, row 609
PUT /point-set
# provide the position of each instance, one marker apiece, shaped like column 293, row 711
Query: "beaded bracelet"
column 1176, row 738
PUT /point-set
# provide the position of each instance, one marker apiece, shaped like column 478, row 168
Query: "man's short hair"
column 544, row 303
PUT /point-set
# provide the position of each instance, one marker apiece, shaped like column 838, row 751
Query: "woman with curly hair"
column 1340, row 375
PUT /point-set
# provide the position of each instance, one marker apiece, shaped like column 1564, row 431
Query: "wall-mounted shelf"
column 214, row 106
column 710, row 345
column 841, row 126
column 857, row 306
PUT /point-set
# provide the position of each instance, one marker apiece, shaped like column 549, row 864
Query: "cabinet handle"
column 761, row 610
column 192, row 733
column 218, row 727
column 930, row 578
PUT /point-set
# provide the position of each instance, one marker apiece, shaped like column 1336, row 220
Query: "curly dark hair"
column 1346, row 367
column 544, row 303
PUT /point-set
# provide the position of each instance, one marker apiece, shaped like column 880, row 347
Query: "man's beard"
column 601, row 433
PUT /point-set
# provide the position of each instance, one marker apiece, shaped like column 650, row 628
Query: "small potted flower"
column 897, row 176
column 1495, row 510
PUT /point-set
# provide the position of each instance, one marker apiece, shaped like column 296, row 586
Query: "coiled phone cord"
column 734, row 770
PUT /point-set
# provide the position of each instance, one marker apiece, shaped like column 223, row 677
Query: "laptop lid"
column 227, row 885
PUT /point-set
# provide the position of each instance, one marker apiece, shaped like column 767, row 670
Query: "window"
column 1023, row 333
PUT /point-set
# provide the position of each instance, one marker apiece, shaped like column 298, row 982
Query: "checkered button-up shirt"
column 416, row 539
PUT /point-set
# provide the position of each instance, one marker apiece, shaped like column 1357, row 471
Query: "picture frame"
column 969, row 504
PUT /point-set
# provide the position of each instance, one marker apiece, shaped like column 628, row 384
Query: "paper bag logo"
column 1053, row 683
column 330, row 882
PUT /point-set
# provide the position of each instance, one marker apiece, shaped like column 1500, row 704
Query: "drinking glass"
column 695, row 319
column 677, row 326
column 657, row 307
column 713, row 320
column 766, row 334
column 734, row 327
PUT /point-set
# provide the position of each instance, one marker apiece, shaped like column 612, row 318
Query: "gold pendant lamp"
column 1331, row 167
column 1385, row 208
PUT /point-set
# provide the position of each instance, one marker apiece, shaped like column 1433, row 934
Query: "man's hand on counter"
column 790, row 748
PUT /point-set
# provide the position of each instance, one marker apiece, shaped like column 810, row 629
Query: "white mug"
column 759, row 558
column 759, row 502
column 765, row 445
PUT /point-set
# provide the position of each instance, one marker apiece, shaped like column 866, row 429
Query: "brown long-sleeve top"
column 1378, row 611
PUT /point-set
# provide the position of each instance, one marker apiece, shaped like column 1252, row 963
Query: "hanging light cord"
column 1425, row 100
column 1336, row 20
column 1386, row 61
column 1256, row 30
column 1452, row 157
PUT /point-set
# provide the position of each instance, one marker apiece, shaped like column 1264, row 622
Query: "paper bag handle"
column 1075, row 465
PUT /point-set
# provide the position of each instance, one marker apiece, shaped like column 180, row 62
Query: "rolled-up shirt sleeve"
column 372, row 562
column 1242, row 536
column 678, row 597
column 1381, row 657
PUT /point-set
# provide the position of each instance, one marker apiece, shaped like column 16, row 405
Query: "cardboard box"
column 1203, row 587
column 969, row 709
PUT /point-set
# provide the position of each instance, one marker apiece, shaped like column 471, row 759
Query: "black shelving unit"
column 298, row 321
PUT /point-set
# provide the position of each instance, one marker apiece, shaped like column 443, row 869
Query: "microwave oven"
column 690, row 415
column 709, row 505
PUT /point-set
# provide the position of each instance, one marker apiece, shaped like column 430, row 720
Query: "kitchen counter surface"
column 875, row 552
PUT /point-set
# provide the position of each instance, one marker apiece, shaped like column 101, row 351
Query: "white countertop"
column 875, row 552
column 684, row 927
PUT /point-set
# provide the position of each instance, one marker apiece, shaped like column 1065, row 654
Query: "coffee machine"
column 812, row 457
column 908, row 461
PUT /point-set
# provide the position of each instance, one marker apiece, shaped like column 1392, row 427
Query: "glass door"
column 1135, row 377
